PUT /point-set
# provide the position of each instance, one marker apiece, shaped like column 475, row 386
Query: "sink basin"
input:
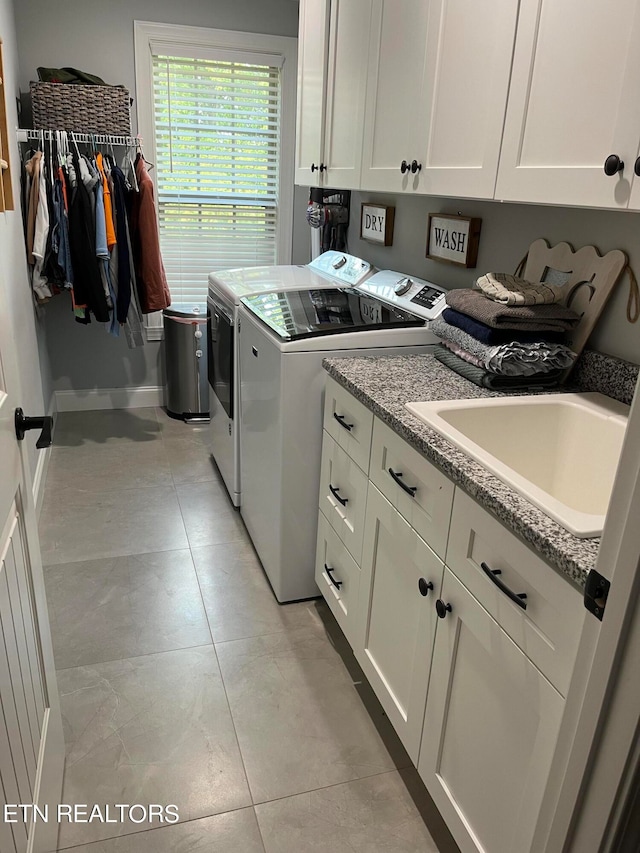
column 560, row 451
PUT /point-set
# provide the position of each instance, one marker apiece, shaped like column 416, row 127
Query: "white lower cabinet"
column 490, row 729
column 396, row 618
column 470, row 660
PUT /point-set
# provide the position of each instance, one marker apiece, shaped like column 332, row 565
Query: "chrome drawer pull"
column 516, row 597
column 334, row 492
column 410, row 490
column 328, row 570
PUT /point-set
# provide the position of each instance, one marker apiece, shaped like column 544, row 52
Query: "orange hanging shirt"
column 108, row 209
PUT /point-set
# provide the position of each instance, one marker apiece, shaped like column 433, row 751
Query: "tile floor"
column 183, row 681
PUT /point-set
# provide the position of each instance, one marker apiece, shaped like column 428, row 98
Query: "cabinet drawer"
column 339, row 586
column 343, row 495
column 425, row 496
column 548, row 630
column 348, row 422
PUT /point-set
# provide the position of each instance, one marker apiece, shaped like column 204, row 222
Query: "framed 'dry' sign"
column 453, row 239
column 376, row 223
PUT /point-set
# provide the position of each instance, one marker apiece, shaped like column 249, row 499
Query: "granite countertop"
column 385, row 383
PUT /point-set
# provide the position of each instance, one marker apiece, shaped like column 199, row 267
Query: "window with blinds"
column 217, row 137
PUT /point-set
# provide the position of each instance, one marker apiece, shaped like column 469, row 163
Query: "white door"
column 399, row 582
column 469, row 52
column 395, row 114
column 490, row 729
column 313, row 35
column 573, row 102
column 31, row 739
column 346, row 86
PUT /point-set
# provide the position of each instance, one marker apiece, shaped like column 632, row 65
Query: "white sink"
column 560, row 451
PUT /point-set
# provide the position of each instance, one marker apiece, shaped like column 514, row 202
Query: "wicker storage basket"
column 85, row 109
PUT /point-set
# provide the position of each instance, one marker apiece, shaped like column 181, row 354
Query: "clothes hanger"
column 141, row 152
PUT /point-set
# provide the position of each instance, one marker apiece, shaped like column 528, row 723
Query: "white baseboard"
column 109, row 398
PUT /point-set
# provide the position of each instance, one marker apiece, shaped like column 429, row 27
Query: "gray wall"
column 98, row 37
column 31, row 355
column 507, row 231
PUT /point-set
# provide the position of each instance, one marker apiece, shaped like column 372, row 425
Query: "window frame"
column 203, row 42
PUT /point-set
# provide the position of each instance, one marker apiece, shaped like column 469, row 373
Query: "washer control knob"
column 402, row 286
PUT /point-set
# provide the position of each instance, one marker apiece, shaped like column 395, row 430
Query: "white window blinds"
column 217, row 135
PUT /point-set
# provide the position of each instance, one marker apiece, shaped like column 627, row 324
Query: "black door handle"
column 424, row 586
column 410, row 490
column 442, row 609
column 516, row 597
column 612, row 165
column 328, row 570
column 23, row 423
column 342, row 422
column 334, row 492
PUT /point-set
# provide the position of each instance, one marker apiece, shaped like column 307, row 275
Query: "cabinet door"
column 313, row 34
column 396, row 622
column 490, row 728
column 395, row 115
column 346, row 85
column 469, row 52
column 572, row 103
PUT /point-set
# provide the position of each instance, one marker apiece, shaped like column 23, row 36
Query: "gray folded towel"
column 512, row 359
column 535, row 318
column 485, row 379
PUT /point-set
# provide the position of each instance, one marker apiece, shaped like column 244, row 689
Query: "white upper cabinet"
column 437, row 91
column 468, row 61
column 573, row 102
column 313, row 33
column 395, row 118
column 332, row 73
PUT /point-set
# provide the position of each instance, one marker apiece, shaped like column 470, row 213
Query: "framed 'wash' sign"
column 453, row 239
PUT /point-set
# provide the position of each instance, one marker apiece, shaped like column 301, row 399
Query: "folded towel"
column 488, row 335
column 485, row 379
column 512, row 359
column 463, row 354
column 534, row 318
column 509, row 290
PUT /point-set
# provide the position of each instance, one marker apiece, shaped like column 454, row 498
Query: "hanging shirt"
column 87, row 282
column 33, row 170
column 150, row 274
column 108, row 211
column 123, row 298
